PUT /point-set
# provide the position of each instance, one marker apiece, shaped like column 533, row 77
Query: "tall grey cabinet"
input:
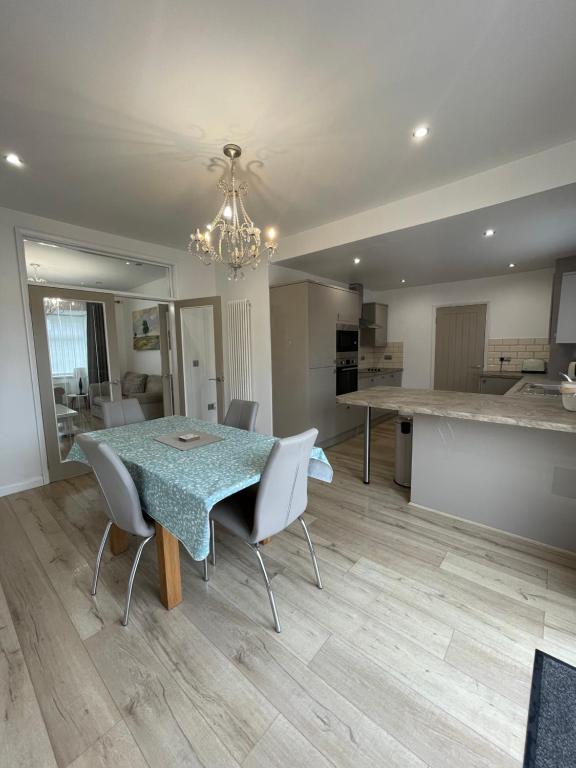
column 303, row 324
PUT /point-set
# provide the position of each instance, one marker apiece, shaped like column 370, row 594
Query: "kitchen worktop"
column 503, row 374
column 379, row 372
column 535, row 411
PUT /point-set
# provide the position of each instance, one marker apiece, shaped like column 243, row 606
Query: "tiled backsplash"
column 376, row 357
column 517, row 350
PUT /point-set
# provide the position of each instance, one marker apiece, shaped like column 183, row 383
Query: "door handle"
column 219, row 379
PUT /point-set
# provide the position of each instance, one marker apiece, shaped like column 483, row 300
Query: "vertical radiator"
column 240, row 350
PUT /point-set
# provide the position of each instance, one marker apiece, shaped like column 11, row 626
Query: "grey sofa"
column 146, row 388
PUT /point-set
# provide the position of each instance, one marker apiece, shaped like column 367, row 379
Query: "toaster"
column 534, row 365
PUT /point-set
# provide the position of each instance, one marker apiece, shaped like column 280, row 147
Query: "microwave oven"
column 347, row 338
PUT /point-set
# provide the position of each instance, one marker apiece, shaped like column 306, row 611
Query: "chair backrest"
column 59, row 393
column 283, row 492
column 120, row 494
column 242, row 414
column 121, row 412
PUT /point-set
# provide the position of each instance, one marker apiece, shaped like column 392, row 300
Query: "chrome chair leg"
column 205, row 576
column 312, row 553
column 256, row 549
column 99, row 558
column 131, row 579
column 212, row 542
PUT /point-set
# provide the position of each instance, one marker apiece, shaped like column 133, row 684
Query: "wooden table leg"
column 266, row 541
column 118, row 540
column 167, row 547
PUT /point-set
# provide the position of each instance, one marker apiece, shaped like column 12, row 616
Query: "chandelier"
column 231, row 237
column 52, row 305
column 35, row 278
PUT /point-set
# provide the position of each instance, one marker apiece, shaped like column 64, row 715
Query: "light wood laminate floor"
column 418, row 652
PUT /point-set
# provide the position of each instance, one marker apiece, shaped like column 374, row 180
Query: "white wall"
column 518, row 306
column 20, row 450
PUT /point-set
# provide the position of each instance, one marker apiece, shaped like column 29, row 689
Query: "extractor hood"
column 368, row 319
column 369, row 316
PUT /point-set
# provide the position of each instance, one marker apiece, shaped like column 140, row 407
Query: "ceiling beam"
column 527, row 176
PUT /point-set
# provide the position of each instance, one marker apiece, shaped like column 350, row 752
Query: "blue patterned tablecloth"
column 179, row 488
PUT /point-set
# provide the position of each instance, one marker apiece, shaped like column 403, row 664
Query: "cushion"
column 100, row 400
column 154, row 384
column 133, row 382
column 147, row 397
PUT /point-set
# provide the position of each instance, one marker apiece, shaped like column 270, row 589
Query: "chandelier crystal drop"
column 232, row 237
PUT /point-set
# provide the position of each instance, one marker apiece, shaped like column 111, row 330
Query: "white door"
column 199, row 363
column 200, row 359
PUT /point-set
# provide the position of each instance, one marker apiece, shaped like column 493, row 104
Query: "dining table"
column 178, row 484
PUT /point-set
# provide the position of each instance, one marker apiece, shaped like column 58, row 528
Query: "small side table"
column 78, row 400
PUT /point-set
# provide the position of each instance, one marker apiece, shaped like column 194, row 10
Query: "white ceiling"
column 67, row 266
column 530, row 232
column 118, row 107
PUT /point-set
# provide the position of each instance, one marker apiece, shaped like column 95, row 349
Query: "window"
column 67, row 338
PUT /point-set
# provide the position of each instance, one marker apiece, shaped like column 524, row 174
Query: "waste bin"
column 403, row 463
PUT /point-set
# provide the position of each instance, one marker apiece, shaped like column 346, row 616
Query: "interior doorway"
column 460, row 344
column 199, row 346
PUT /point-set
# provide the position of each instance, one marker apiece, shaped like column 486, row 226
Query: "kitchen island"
column 507, row 461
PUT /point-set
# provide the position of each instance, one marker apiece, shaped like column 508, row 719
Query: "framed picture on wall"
column 146, row 329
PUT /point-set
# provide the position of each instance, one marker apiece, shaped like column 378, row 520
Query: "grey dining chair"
column 241, row 414
column 122, row 505
column 269, row 507
column 121, row 412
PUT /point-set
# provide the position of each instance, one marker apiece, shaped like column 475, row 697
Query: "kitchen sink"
column 549, row 390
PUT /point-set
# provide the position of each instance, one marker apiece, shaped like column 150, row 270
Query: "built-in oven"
column 346, row 375
column 346, row 338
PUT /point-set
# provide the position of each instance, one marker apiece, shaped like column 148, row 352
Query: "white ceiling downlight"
column 357, row 260
column 13, row 159
column 489, row 232
column 421, row 132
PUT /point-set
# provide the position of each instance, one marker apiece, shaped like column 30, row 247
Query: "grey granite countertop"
column 382, row 372
column 535, row 411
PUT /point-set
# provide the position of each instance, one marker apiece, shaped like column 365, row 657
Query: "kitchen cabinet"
column 566, row 328
column 322, row 401
column 303, row 320
column 322, row 319
column 496, row 385
column 374, row 325
column 382, row 379
column 348, row 307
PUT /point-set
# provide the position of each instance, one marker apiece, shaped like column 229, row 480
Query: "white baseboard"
column 491, row 528
column 34, row 482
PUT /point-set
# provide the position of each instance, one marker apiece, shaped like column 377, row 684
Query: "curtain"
column 67, row 341
column 97, row 351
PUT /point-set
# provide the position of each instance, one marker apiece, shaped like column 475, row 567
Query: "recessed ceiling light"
column 402, row 281
column 421, row 132
column 128, row 263
column 511, row 266
column 489, row 232
column 13, row 159
column 356, row 260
